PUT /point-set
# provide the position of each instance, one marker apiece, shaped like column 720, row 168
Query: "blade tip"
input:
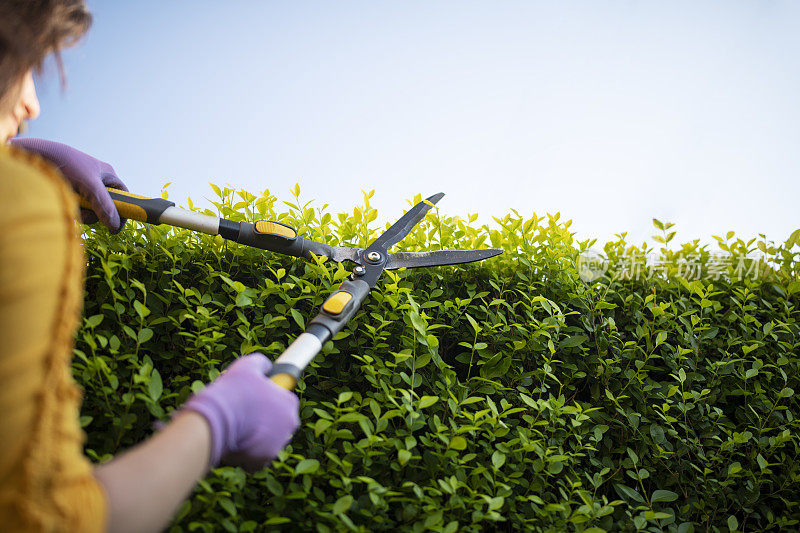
column 436, row 197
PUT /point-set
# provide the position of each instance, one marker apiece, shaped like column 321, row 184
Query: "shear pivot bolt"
column 374, row 257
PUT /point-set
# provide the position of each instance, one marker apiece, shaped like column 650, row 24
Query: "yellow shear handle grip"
column 286, row 381
column 134, row 206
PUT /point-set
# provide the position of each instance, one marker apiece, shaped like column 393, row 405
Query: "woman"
column 46, row 484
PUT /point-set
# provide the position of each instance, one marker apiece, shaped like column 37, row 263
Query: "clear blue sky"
column 610, row 112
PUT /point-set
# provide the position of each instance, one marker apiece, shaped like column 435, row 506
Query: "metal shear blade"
column 402, row 227
column 438, row 258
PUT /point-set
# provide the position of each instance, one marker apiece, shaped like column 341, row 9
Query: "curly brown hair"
column 32, row 29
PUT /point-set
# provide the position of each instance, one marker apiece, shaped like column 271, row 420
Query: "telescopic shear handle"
column 337, row 310
column 135, row 207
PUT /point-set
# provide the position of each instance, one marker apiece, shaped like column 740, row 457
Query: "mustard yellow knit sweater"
column 46, row 482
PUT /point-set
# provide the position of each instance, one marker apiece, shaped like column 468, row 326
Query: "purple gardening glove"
column 87, row 175
column 251, row 418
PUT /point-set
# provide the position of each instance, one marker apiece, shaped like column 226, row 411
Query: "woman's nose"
column 28, row 100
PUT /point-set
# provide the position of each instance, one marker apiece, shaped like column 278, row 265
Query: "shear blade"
column 438, row 258
column 402, row 227
column 344, row 253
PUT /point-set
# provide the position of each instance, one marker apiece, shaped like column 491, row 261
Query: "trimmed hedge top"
column 508, row 394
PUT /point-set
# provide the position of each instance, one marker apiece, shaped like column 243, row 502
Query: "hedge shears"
column 343, row 303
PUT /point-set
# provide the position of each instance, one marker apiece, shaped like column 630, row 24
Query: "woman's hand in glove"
column 88, row 176
column 251, row 418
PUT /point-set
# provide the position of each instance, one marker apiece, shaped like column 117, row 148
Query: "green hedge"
column 504, row 395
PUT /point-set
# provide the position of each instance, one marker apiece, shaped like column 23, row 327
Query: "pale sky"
column 610, row 112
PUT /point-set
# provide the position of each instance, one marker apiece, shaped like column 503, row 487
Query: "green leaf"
column 497, row 366
column 145, row 335
column 276, row 520
column 574, row 340
column 733, row 523
column 351, row 417
column 634, row 457
column 658, row 434
column 433, row 519
column 228, row 505
column 661, row 337
column 243, row 300
column 628, row 492
column 418, row 323
column 403, row 456
column 155, row 386
column 605, row 305
column 306, row 466
column 94, row 321
column 793, row 287
column 321, row 425
column 793, row 239
column 423, row 359
column 662, row 495
column 476, row 399
column 141, row 310
column 458, row 443
column 274, row 486
column 298, row 318
column 528, row 400
column 342, row 504
column 498, row 459
column 344, row 396
column 496, row 503
column 427, row 401
column 474, row 324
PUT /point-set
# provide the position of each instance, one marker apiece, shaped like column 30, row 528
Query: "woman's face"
column 22, row 106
